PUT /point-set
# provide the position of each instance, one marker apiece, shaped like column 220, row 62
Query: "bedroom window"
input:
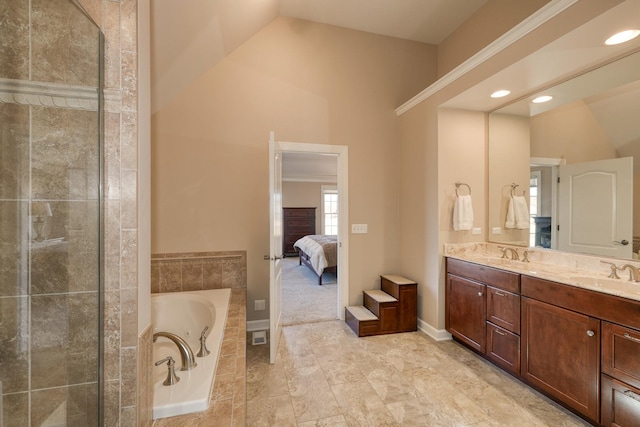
column 330, row 210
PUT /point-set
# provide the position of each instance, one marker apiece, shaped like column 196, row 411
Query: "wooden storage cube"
column 406, row 292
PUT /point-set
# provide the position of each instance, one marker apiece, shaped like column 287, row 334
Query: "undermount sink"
column 491, row 260
column 606, row 283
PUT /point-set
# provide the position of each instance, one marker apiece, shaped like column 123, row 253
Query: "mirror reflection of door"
column 540, row 224
column 596, row 207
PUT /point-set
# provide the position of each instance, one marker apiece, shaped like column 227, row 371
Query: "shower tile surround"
column 37, row 41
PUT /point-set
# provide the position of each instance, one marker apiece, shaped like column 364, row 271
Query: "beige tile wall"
column 196, row 271
column 145, row 380
column 118, row 22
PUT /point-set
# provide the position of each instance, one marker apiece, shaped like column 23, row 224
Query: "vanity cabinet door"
column 503, row 309
column 561, row 355
column 620, row 404
column 466, row 310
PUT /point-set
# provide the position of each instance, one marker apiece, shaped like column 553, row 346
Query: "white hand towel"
column 517, row 213
column 463, row 213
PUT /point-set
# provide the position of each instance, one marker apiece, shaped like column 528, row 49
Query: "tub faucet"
column 172, row 378
column 203, row 343
column 188, row 360
column 634, row 273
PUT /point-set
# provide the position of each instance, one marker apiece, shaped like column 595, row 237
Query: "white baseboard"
column 436, row 334
column 258, row 325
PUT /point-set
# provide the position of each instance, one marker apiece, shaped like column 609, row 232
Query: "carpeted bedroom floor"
column 303, row 301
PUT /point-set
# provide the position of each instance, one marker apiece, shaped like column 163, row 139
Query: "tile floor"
column 326, row 376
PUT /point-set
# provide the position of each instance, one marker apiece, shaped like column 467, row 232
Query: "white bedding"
column 322, row 251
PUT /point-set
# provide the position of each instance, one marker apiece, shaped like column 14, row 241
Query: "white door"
column 596, row 207
column 275, row 246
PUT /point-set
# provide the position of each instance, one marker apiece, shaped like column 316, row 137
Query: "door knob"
column 622, row 242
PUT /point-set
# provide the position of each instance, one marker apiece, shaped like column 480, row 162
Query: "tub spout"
column 188, row 360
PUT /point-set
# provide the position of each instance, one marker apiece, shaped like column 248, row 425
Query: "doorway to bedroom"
column 311, row 201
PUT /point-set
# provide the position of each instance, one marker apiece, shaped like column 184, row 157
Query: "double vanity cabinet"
column 579, row 346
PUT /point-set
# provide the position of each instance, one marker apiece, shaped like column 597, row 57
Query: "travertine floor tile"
column 311, row 395
column 361, row 405
column 325, row 376
column 271, row 412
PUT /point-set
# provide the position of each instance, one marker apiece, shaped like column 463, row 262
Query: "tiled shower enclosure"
column 50, row 214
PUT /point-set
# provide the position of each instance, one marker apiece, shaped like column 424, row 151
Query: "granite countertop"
column 583, row 271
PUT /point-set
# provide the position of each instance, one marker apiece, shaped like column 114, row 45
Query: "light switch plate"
column 359, row 228
column 496, row 230
column 476, row 231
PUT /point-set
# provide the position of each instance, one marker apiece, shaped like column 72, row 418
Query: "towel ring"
column 513, row 189
column 458, row 184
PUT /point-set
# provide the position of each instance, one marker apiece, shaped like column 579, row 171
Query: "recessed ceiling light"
column 500, row 93
column 541, row 99
column 622, row 36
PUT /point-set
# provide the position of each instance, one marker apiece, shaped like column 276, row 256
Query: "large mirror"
column 587, row 138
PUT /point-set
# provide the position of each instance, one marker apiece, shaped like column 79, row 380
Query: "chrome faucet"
column 634, row 273
column 188, row 360
column 514, row 253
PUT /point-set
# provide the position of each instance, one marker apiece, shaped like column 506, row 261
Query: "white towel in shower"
column 463, row 213
column 517, row 213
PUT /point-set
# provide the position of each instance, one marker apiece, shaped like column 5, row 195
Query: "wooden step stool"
column 391, row 309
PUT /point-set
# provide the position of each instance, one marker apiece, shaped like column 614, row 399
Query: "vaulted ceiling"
column 201, row 32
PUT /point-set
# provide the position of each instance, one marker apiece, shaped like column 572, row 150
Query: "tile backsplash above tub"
column 195, row 271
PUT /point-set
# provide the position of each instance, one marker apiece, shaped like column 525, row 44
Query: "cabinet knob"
column 479, row 294
column 590, row 333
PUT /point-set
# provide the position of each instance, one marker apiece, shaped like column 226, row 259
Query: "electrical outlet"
column 359, row 228
column 259, row 305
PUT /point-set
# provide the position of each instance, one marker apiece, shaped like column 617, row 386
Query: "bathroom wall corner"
column 145, row 383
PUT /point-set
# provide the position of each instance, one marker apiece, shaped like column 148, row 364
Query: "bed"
column 319, row 253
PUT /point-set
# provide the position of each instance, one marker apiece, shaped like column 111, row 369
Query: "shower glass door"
column 50, row 214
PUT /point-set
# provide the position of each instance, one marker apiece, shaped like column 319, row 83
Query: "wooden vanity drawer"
column 503, row 348
column 612, row 308
column 620, row 404
column 498, row 278
column 621, row 353
column 503, row 309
